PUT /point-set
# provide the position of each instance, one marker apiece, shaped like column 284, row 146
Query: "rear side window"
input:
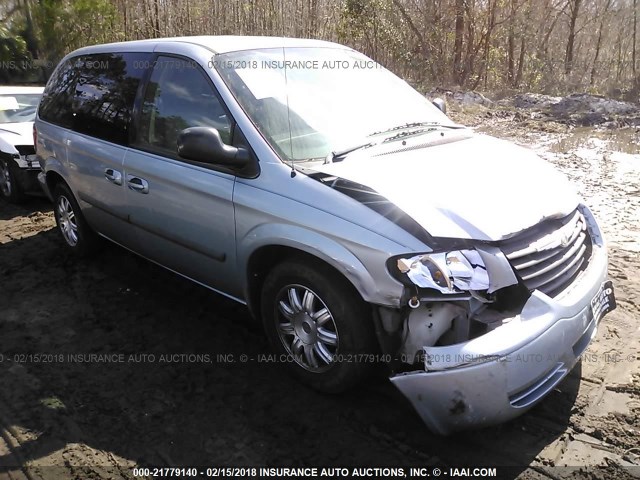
column 55, row 106
column 94, row 94
column 179, row 96
column 105, row 92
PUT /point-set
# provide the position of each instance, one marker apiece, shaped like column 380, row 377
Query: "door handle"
column 138, row 184
column 113, row 176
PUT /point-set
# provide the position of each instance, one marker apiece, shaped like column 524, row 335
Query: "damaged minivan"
column 347, row 211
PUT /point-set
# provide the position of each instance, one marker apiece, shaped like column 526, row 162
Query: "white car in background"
column 18, row 165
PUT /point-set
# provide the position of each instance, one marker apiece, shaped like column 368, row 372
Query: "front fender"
column 325, row 249
column 7, row 147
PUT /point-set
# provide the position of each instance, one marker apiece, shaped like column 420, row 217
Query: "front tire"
column 10, row 187
column 76, row 233
column 319, row 324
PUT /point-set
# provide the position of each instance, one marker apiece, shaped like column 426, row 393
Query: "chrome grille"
column 549, row 256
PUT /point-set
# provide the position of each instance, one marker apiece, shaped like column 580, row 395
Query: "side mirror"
column 440, row 104
column 203, row 144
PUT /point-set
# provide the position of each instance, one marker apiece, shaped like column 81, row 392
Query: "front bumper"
column 500, row 375
column 26, row 175
column 27, row 162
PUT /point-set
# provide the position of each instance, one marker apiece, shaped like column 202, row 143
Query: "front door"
column 182, row 211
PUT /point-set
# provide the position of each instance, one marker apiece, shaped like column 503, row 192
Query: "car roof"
column 215, row 43
column 8, row 90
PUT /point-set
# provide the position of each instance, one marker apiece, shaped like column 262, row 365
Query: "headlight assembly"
column 448, row 272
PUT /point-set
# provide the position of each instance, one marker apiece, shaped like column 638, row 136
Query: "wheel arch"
column 55, row 172
column 313, row 248
column 53, row 178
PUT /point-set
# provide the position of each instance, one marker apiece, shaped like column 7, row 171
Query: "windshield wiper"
column 405, row 126
column 429, row 127
column 410, row 133
column 341, row 153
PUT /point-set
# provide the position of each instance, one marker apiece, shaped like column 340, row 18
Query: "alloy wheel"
column 67, row 220
column 306, row 328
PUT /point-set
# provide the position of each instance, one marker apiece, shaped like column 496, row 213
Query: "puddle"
column 624, row 140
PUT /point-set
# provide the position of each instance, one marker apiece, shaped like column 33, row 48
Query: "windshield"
column 16, row 108
column 310, row 102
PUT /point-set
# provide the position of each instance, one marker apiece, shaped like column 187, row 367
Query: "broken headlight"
column 448, row 272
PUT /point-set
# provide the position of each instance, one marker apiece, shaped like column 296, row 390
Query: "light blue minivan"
column 347, row 211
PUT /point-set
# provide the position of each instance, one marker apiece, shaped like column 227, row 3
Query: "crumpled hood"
column 478, row 187
column 17, row 133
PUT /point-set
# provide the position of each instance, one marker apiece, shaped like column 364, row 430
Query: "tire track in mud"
column 47, row 443
column 10, row 460
column 86, row 300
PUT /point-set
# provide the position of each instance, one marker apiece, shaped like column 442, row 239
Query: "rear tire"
column 10, row 187
column 76, row 233
column 318, row 323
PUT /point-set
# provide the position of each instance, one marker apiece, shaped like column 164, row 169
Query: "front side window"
column 179, row 96
column 17, row 108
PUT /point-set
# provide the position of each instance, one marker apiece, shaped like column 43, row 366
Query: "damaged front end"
column 453, row 296
column 489, row 330
column 488, row 324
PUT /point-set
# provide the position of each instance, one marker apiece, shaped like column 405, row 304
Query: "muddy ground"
column 63, row 415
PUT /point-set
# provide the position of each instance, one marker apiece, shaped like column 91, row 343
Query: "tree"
column 542, row 45
column 574, row 10
column 603, row 16
column 636, row 80
column 458, row 74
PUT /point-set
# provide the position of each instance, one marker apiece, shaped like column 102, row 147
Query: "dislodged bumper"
column 27, row 162
column 501, row 374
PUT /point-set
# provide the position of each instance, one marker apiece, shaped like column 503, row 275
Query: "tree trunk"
column 636, row 80
column 30, row 36
column 157, row 12
column 518, row 79
column 486, row 45
column 543, row 49
column 511, row 40
column 523, row 45
column 594, row 67
column 568, row 59
column 457, row 45
column 470, row 54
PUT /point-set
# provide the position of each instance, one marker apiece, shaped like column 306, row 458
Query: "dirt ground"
column 167, row 385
